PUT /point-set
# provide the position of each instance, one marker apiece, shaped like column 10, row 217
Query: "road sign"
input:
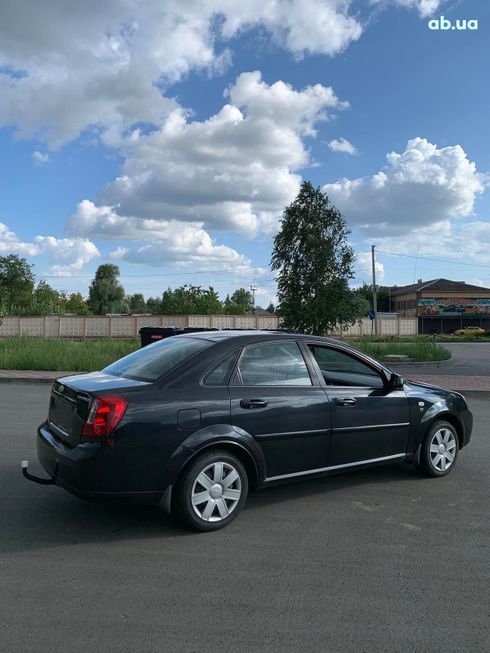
column 371, row 314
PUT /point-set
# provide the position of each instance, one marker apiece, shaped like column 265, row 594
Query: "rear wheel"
column 439, row 449
column 212, row 490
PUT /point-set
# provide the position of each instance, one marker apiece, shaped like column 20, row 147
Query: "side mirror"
column 396, row 382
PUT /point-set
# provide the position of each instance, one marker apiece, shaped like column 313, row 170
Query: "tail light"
column 105, row 414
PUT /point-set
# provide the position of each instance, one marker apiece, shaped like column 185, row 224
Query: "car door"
column 369, row 420
column 280, row 402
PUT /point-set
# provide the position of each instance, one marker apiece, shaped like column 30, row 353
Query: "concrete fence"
column 123, row 326
column 128, row 326
column 386, row 326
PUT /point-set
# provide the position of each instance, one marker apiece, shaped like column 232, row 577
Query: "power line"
column 438, row 260
column 146, row 276
column 250, row 268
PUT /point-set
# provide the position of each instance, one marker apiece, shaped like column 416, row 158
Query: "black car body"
column 284, row 405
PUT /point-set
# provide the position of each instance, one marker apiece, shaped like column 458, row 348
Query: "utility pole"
column 253, row 288
column 375, row 299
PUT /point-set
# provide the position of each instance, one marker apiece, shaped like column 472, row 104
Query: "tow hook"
column 42, row 481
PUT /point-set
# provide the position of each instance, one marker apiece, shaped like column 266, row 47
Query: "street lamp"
column 253, row 289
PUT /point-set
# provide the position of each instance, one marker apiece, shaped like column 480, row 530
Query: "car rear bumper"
column 92, row 471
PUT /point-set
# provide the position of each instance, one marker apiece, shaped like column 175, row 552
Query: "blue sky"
column 168, row 137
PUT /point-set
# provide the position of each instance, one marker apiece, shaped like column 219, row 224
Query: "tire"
column 220, row 480
column 434, row 461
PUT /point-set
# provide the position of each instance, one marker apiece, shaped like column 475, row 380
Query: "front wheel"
column 439, row 449
column 211, row 491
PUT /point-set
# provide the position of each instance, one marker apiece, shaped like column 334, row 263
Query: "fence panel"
column 148, row 321
column 123, row 327
column 408, row 326
column 200, row 321
column 31, row 326
column 9, row 326
column 222, row 321
column 267, row 323
column 98, row 327
column 244, row 322
column 71, row 327
column 180, row 321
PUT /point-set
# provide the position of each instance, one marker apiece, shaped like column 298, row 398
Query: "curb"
column 403, row 363
column 35, row 379
column 24, row 380
column 474, row 394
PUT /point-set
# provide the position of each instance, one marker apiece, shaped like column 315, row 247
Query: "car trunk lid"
column 71, row 399
column 68, row 410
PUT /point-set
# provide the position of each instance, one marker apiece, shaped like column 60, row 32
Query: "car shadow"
column 45, row 517
column 331, row 483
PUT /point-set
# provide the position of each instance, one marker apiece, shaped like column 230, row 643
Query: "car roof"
column 251, row 335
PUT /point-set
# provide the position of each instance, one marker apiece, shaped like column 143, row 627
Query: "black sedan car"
column 195, row 421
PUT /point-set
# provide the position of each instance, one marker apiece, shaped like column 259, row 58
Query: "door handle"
column 346, row 401
column 253, row 403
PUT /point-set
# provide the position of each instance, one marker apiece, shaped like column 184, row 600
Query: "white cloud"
column 460, row 242
column 65, row 255
column 40, row 158
column 65, row 69
column 363, row 270
column 183, row 245
column 234, row 171
column 10, row 243
column 424, row 7
column 68, row 255
column 173, row 243
column 422, row 186
column 342, row 145
column 300, row 26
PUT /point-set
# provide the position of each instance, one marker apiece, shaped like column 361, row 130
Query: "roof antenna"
column 416, row 261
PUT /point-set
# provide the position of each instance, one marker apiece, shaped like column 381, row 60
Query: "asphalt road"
column 467, row 359
column 371, row 561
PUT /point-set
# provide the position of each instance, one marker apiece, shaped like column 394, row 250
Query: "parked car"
column 195, row 421
column 470, row 331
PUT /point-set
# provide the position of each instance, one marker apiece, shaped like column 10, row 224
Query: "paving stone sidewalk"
column 459, row 383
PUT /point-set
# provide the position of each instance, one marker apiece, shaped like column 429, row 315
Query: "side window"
column 339, row 368
column 273, row 363
column 219, row 374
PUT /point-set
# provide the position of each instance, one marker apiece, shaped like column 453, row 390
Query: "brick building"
column 442, row 305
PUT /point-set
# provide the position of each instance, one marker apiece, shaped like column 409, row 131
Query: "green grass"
column 27, row 353
column 420, row 350
column 438, row 338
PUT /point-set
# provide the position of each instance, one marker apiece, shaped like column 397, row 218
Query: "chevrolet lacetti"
column 193, row 422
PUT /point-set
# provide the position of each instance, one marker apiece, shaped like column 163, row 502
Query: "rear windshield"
column 150, row 362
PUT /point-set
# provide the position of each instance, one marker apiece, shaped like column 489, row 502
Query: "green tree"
column 75, row 303
column 16, row 284
column 239, row 303
column 154, row 305
column 191, row 300
column 106, row 295
column 136, row 303
column 382, row 299
column 271, row 308
column 46, row 300
column 314, row 263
